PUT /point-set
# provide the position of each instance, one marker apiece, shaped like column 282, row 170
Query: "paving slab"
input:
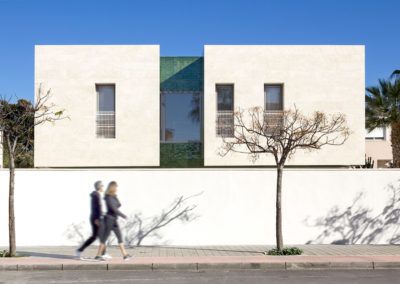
column 209, row 258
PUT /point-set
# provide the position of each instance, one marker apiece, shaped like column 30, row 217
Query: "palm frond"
column 395, row 74
column 382, row 104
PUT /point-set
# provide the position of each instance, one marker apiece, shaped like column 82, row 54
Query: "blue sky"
column 183, row 27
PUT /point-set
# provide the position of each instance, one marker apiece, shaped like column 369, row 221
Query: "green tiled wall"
column 181, row 155
column 181, row 74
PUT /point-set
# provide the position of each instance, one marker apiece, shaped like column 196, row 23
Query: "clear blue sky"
column 183, row 27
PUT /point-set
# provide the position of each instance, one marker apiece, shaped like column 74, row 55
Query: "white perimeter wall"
column 237, row 205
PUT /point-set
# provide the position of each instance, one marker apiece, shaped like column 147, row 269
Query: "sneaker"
column 78, row 254
column 107, row 256
column 127, row 257
column 99, row 258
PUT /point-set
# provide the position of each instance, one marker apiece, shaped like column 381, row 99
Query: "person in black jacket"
column 96, row 216
column 111, row 221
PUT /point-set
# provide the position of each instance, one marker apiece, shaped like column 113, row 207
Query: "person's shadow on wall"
column 358, row 224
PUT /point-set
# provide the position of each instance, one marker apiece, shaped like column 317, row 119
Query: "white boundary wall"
column 237, row 205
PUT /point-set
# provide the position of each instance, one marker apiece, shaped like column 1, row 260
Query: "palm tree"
column 395, row 74
column 383, row 109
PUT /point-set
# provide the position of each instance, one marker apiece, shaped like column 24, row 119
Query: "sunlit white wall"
column 237, row 206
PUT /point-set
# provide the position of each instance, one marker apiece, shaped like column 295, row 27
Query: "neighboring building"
column 379, row 147
column 129, row 107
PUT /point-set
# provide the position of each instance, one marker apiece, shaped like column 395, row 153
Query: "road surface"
column 231, row 277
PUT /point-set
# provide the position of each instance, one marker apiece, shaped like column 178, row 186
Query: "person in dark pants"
column 96, row 217
column 111, row 221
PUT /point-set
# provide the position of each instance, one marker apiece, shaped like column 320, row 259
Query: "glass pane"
column 225, row 97
column 181, row 117
column 377, row 133
column 106, row 97
column 273, row 97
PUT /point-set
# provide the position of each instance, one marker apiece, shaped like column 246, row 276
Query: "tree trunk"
column 11, row 215
column 395, row 139
column 279, row 237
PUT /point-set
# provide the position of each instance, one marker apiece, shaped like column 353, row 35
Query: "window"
column 273, row 109
column 384, row 164
column 105, row 117
column 180, row 117
column 273, row 97
column 225, row 117
column 378, row 133
column 180, row 129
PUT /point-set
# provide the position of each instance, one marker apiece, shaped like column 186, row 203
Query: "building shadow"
column 359, row 224
column 181, row 74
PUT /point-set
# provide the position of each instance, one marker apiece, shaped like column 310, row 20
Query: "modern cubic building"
column 130, row 107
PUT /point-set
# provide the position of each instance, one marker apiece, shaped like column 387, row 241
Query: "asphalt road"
column 231, row 277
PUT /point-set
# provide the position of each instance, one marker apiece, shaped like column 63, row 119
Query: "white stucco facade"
column 72, row 72
column 324, row 78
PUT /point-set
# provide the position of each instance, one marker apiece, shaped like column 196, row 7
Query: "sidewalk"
column 209, row 257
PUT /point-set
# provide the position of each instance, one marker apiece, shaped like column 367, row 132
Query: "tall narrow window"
column 225, row 108
column 273, row 110
column 105, row 118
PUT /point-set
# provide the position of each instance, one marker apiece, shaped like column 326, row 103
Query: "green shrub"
column 285, row 251
column 3, row 253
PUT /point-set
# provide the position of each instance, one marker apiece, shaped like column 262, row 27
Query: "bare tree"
column 281, row 134
column 17, row 123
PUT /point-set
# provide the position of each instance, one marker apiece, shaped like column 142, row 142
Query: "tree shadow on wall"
column 137, row 227
column 358, row 224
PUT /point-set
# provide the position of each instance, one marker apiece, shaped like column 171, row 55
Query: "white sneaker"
column 107, row 256
column 78, row 254
column 99, row 258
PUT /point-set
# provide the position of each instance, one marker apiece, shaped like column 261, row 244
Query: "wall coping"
column 198, row 169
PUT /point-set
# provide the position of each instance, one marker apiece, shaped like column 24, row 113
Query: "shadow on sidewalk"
column 201, row 249
column 47, row 255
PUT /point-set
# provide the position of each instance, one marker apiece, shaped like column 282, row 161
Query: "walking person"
column 111, row 221
column 96, row 218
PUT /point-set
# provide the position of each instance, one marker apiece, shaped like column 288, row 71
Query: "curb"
column 205, row 266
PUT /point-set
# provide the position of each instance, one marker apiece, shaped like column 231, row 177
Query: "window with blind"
column 273, row 109
column 225, row 109
column 105, row 117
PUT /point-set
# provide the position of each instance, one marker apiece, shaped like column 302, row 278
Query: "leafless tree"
column 17, row 123
column 281, row 134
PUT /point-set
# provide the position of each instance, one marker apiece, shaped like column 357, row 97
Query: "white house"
column 129, row 107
